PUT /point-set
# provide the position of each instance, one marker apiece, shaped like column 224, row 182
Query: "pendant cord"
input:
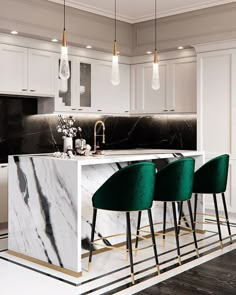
column 155, row 25
column 115, row 20
column 64, row 15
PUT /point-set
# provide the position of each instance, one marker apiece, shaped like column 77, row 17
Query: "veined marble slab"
column 50, row 206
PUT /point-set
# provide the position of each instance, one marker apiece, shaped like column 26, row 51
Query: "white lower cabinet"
column 3, row 193
column 177, row 93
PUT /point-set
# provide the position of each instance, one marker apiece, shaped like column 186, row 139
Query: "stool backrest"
column 174, row 182
column 212, row 177
column 129, row 189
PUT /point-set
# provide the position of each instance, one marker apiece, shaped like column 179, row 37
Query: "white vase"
column 67, row 144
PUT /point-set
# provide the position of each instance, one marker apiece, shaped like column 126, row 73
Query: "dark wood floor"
column 217, row 277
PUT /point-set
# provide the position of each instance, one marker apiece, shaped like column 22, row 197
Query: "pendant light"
column 115, row 74
column 155, row 73
column 64, row 71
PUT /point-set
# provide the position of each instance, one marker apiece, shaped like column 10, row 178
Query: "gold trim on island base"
column 46, row 264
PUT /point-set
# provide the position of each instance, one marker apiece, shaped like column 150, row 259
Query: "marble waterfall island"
column 50, row 207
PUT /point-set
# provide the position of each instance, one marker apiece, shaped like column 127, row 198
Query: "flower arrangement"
column 65, row 126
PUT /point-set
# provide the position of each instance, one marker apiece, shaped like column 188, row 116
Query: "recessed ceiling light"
column 54, row 40
column 14, row 32
column 89, row 47
column 180, row 47
column 148, row 52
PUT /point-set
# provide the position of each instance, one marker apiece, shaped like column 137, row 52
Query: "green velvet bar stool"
column 211, row 178
column 174, row 183
column 129, row 189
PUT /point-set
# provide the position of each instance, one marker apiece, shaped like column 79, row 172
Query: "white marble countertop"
column 113, row 156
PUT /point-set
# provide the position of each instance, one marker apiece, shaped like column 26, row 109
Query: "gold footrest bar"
column 117, row 247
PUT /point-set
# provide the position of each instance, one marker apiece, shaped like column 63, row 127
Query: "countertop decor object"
column 65, row 126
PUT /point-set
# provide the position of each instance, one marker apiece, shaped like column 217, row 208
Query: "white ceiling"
column 133, row 11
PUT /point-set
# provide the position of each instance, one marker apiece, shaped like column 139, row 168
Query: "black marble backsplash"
column 22, row 131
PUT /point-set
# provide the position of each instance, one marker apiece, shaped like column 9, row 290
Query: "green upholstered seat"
column 211, row 178
column 129, row 189
column 174, row 182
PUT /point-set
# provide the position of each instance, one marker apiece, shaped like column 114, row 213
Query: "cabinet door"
column 84, row 85
column 3, row 194
column 106, row 97
column 41, row 72
column 67, row 99
column 13, row 64
column 144, row 98
column 184, row 86
column 216, row 124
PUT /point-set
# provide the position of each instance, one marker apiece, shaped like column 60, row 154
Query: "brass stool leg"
column 92, row 238
column 138, row 228
column 217, row 219
column 195, row 210
column 130, row 246
column 164, row 223
column 153, row 239
column 176, row 232
column 227, row 217
column 193, row 226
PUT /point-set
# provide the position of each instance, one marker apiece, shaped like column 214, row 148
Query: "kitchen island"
column 50, row 207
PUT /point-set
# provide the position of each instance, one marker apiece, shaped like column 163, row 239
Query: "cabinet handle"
column 24, row 89
column 126, row 111
column 3, row 166
column 165, row 110
column 80, row 109
column 172, row 110
column 73, row 109
column 99, row 110
column 32, row 90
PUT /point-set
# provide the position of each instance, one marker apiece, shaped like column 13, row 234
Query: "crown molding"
column 127, row 19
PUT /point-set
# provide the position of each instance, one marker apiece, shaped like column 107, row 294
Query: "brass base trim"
column 46, row 264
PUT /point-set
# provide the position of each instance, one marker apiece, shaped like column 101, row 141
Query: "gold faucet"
column 95, row 134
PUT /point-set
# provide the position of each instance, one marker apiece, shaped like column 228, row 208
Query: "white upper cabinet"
column 89, row 89
column 41, row 72
column 13, row 64
column 144, row 98
column 184, row 85
column 75, row 94
column 106, row 97
column 176, row 94
column 26, row 71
